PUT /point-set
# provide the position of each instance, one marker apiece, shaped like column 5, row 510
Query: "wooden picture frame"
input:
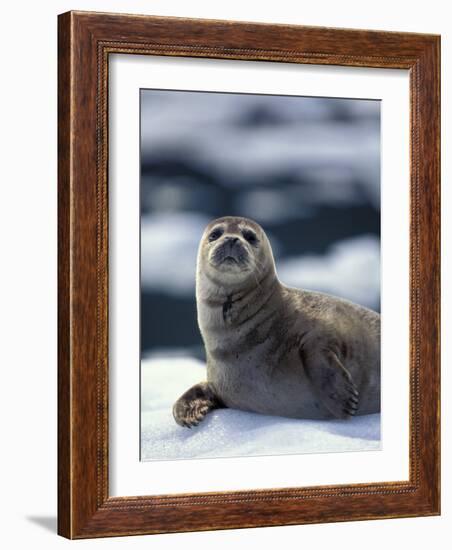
column 85, row 42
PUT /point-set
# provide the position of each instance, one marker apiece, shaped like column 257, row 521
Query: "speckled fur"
column 277, row 350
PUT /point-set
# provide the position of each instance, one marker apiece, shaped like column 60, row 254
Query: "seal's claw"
column 351, row 406
column 191, row 408
column 189, row 413
column 350, row 400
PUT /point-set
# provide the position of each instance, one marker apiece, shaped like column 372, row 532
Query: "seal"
column 274, row 349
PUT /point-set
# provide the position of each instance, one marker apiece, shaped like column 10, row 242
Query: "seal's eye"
column 250, row 236
column 216, row 234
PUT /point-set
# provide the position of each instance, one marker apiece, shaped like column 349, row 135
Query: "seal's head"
column 234, row 251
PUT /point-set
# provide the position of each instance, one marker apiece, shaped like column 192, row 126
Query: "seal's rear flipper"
column 194, row 404
column 333, row 383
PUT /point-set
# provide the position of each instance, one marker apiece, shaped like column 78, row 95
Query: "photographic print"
column 260, row 274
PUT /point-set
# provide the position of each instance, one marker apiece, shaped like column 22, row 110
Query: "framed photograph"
column 248, row 275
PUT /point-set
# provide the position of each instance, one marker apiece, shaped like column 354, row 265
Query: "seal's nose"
column 230, row 244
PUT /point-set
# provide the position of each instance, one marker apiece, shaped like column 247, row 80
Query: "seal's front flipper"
column 194, row 404
column 333, row 383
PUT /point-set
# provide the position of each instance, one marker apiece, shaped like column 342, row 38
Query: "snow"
column 302, row 136
column 350, row 269
column 232, row 433
column 169, row 246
